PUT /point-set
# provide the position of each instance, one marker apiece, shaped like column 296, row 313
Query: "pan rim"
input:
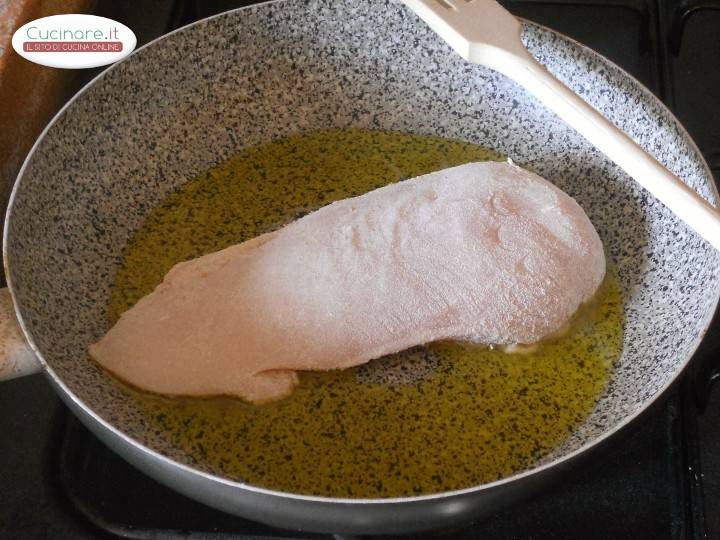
column 215, row 479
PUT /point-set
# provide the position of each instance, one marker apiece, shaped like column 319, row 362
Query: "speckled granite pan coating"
column 196, row 97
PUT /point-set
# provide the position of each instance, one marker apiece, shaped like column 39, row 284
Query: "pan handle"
column 16, row 357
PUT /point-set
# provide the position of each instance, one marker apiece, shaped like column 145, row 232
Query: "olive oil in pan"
column 450, row 416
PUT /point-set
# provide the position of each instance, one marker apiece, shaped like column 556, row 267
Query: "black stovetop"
column 661, row 479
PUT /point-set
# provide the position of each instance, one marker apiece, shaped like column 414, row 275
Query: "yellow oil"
column 479, row 415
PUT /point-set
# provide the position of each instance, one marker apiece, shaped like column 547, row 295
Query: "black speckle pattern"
column 195, row 98
column 410, row 367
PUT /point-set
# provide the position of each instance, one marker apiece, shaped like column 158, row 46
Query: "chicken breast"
column 483, row 252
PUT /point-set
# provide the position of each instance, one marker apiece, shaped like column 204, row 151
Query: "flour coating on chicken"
column 483, row 252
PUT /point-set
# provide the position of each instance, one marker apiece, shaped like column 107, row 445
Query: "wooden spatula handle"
column 616, row 145
column 483, row 32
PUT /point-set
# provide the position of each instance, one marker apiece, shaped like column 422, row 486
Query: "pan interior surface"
column 201, row 95
column 437, row 418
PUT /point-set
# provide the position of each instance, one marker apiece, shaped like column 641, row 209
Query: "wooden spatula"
column 483, row 32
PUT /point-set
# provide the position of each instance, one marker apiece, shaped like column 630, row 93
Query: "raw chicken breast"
column 484, row 252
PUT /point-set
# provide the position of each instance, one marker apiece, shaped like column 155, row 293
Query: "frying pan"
column 197, row 96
